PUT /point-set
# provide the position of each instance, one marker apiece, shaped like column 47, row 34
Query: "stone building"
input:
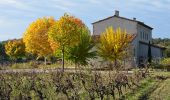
column 142, row 35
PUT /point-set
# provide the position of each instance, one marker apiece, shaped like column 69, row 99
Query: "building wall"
column 156, row 52
column 143, row 51
column 145, row 34
column 135, row 44
column 130, row 26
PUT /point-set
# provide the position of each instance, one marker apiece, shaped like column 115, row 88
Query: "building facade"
column 142, row 32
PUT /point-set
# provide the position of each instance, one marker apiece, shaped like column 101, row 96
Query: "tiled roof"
column 139, row 22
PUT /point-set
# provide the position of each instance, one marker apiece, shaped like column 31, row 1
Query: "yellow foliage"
column 113, row 44
column 66, row 30
column 36, row 37
column 15, row 48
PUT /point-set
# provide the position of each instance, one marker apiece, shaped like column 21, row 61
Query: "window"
column 146, row 36
column 143, row 35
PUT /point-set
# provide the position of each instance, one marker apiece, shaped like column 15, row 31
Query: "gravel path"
column 12, row 71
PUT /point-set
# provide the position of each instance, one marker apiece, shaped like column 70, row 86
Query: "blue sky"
column 16, row 15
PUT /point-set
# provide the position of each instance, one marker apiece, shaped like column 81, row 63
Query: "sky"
column 16, row 15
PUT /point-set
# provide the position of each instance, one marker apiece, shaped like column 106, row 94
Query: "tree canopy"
column 15, row 48
column 113, row 44
column 81, row 53
column 36, row 37
column 65, row 32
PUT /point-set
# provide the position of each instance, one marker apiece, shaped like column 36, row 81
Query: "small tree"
column 82, row 52
column 65, row 32
column 149, row 53
column 15, row 49
column 113, row 44
column 36, row 37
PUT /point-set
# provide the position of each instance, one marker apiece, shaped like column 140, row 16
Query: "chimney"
column 116, row 13
column 134, row 19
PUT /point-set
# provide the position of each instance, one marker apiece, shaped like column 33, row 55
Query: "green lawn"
column 162, row 92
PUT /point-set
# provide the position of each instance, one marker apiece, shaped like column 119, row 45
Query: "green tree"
column 65, row 32
column 81, row 53
column 149, row 53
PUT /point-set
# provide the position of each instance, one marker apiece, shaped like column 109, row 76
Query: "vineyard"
column 83, row 86
column 59, row 59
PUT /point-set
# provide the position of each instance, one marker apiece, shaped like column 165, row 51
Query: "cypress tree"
column 149, row 53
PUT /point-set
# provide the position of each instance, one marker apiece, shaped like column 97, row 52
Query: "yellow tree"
column 15, row 49
column 65, row 32
column 113, row 44
column 36, row 37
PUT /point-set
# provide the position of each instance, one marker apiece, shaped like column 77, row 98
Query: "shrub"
column 166, row 63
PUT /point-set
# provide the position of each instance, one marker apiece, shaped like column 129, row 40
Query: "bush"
column 34, row 64
column 157, row 66
column 166, row 63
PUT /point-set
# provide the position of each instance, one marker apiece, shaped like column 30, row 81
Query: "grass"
column 140, row 92
column 161, row 73
column 152, row 88
column 163, row 91
column 34, row 65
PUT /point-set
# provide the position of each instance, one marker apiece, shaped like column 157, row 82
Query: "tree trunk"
column 110, row 68
column 63, row 58
column 75, row 65
column 45, row 60
column 115, row 63
column 116, row 67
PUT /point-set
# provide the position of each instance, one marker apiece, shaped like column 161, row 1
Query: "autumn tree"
column 113, row 44
column 36, row 37
column 65, row 32
column 82, row 52
column 15, row 48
